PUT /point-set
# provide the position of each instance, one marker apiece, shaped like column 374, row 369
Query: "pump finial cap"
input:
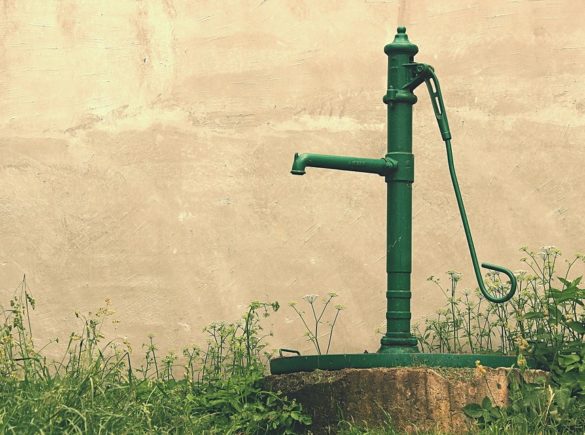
column 401, row 44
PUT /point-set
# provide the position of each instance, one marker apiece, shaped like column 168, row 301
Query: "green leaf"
column 533, row 315
column 569, row 294
column 495, row 413
column 473, row 410
column 564, row 281
column 555, row 313
column 486, row 403
column 573, row 283
column 578, row 327
column 567, row 360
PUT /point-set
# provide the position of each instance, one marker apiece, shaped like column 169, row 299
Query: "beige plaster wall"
column 145, row 149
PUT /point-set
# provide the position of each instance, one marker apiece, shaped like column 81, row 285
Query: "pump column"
column 398, row 338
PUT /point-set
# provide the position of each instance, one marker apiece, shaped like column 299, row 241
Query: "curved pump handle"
column 426, row 73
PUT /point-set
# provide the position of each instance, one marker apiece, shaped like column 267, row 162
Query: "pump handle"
column 439, row 108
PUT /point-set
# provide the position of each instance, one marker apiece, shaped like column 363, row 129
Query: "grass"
column 96, row 388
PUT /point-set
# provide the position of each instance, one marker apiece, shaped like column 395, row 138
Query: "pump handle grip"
column 438, row 106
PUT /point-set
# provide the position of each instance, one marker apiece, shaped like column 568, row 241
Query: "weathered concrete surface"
column 145, row 149
column 414, row 397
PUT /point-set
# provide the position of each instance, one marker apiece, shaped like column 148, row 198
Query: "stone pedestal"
column 412, row 397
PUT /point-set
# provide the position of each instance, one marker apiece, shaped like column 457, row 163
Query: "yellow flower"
column 127, row 344
column 479, row 369
column 522, row 344
column 521, row 361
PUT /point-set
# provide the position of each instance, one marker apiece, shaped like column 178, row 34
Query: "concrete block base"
column 411, row 397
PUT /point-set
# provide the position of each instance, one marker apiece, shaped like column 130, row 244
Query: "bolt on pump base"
column 398, row 346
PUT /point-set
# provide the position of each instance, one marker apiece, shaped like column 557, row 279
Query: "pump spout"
column 383, row 166
column 299, row 164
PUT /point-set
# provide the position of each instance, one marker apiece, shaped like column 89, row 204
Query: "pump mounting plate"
column 309, row 363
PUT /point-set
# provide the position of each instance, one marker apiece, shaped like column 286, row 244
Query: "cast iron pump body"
column 398, row 345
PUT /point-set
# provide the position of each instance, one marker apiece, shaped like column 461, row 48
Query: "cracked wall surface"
column 145, row 150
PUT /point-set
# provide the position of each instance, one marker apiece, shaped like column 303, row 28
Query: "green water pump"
column 398, row 345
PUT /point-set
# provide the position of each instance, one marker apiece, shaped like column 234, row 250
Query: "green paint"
column 398, row 346
column 369, row 360
column 383, row 166
column 398, row 338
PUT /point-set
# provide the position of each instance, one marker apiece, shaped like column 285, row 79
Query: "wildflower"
column 170, row 358
column 455, row 276
column 520, row 274
column 339, row 307
column 332, row 295
column 522, row 344
column 549, row 393
column 479, row 369
column 292, row 304
column 127, row 344
column 310, row 298
column 547, row 251
column 492, row 275
column 521, row 361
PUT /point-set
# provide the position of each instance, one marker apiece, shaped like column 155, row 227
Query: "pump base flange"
column 371, row 360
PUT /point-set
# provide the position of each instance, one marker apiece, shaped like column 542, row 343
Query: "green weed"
column 545, row 323
column 96, row 388
column 547, row 312
column 316, row 326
